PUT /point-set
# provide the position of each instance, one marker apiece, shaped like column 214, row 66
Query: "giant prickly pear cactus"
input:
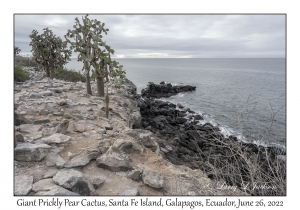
column 49, row 51
column 94, row 52
column 17, row 50
column 87, row 35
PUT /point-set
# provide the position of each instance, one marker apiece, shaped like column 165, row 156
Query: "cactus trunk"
column 106, row 100
column 47, row 71
column 88, row 84
column 100, row 86
column 88, row 79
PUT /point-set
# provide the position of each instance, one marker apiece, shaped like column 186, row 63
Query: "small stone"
column 41, row 121
column 135, row 175
column 108, row 127
column 47, row 93
column 35, row 95
column 55, row 90
column 43, row 112
column 63, row 127
column 101, row 131
column 19, row 137
column 130, row 192
column 58, row 113
column 62, row 102
column 180, row 106
column 86, row 134
column 153, row 179
column 97, row 182
column 79, row 127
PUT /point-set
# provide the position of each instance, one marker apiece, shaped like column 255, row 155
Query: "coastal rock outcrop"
column 164, row 90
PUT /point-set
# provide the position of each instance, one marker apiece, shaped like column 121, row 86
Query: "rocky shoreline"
column 64, row 145
column 204, row 147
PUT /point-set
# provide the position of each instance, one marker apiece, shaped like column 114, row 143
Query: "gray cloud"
column 173, row 35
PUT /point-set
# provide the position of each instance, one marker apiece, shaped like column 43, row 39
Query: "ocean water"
column 245, row 97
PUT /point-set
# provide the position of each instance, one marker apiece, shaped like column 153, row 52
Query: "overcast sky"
column 184, row 36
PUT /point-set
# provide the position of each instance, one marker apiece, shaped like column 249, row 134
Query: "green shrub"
column 24, row 61
column 20, row 75
column 68, row 75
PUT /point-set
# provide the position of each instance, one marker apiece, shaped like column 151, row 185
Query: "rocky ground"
column 66, row 146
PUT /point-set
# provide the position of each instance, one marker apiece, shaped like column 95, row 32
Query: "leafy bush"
column 20, row 75
column 68, row 75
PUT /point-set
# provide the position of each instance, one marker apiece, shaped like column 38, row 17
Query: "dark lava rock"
column 164, row 90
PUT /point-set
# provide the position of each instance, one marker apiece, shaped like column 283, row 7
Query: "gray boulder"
column 128, row 146
column 153, row 179
column 44, row 112
column 79, row 127
column 19, row 137
column 74, row 181
column 53, row 159
column 30, row 128
column 114, row 161
column 31, row 152
column 146, row 138
column 44, row 185
column 82, row 159
column 63, row 127
column 198, row 117
column 19, row 119
column 57, row 138
column 23, row 185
